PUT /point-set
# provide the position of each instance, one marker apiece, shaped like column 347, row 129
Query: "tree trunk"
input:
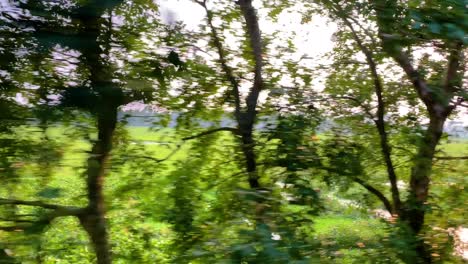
column 109, row 97
column 245, row 117
column 246, row 120
column 95, row 225
column 419, row 182
column 93, row 220
column 248, row 144
column 414, row 209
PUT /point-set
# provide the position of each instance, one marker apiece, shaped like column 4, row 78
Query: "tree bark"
column 93, row 220
column 414, row 209
column 419, row 181
column 248, row 144
column 247, row 119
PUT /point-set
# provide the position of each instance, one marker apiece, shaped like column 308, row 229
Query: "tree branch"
column 402, row 58
column 15, row 228
column 379, row 194
column 368, row 187
column 359, row 103
column 255, row 40
column 365, row 30
column 235, row 131
column 57, row 211
column 453, row 79
column 380, row 122
column 228, row 72
column 16, row 220
column 173, row 152
column 392, row 47
column 452, row 158
column 463, row 105
column 70, row 209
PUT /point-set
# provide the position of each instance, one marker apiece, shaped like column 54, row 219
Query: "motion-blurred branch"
column 39, row 204
column 453, row 158
column 44, row 220
column 373, row 190
column 173, row 152
column 235, row 131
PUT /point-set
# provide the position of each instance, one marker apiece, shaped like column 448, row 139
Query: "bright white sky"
column 313, row 39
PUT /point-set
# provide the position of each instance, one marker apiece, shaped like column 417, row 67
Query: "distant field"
column 456, row 147
column 158, row 144
column 147, row 134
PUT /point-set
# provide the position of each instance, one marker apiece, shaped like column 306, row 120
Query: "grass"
column 456, row 148
column 147, row 134
column 346, row 239
column 341, row 231
column 349, row 238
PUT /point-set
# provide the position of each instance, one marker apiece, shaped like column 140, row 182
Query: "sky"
column 312, row 42
column 314, row 38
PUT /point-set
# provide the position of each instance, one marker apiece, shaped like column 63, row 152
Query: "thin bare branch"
column 16, row 220
column 452, row 158
column 39, row 204
column 235, row 131
column 228, row 71
column 365, row 30
column 376, row 192
column 224, row 180
column 367, row 186
column 55, row 212
column 364, row 107
column 15, row 228
column 172, row 153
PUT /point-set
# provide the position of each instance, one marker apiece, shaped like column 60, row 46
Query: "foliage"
column 247, row 159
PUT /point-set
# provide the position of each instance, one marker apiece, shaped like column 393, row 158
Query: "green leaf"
column 454, row 31
column 50, row 193
column 434, row 27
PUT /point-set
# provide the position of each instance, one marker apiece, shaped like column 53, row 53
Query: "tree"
column 97, row 94
column 230, row 75
column 229, row 170
column 439, row 88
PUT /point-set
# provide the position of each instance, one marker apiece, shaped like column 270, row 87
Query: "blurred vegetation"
column 248, row 159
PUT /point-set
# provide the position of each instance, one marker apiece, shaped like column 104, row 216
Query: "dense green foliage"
column 252, row 155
